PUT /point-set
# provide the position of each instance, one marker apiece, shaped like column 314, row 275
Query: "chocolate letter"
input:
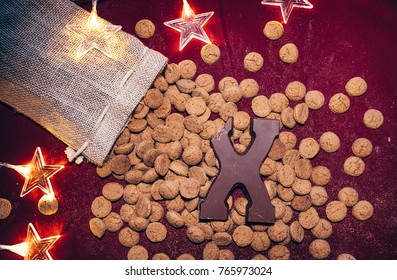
column 241, row 170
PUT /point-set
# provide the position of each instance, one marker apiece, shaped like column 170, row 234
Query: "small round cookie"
column 318, row 195
column 308, row 148
column 309, row 219
column 112, row 191
column 362, row 147
column 301, row 113
column 97, row 227
column 215, row 102
column 287, row 117
column 373, row 118
column 261, row 106
column 253, row 62
column 243, row 236
column 195, row 234
column 301, row 187
column 226, row 82
column 301, row 203
column 138, row 252
column 210, row 53
column 336, row 211
column 113, row 222
column 289, row 53
column 205, row 81
column 48, row 204
column 188, row 69
column 232, row 94
column 189, row 188
column 249, row 88
column 101, row 207
column 211, row 251
column 278, row 232
column 273, row 30
column 120, row 164
column 329, row 142
column 160, row 257
column 314, row 99
column 222, row 239
column 241, row 120
column 192, row 155
column 354, row 166
column 320, row 176
column 286, row 175
column 144, row 28
column 196, row 106
column 303, row 168
column 172, row 73
column 154, row 98
column 288, row 139
column 227, row 110
column 295, row 91
column 279, row 252
column 128, row 237
column 260, row 242
column 322, row 230
column 339, row 103
column 348, row 196
column 319, row 249
column 356, row 86
column 296, row 232
column 363, row 210
column 278, row 102
column 156, row 232
column 346, row 256
column 185, row 257
column 226, row 254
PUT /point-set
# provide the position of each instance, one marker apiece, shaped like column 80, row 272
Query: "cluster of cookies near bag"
column 164, row 163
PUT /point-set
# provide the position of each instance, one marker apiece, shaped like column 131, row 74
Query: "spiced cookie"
column 243, row 236
column 249, row 88
column 101, row 207
column 373, row 118
column 348, row 196
column 336, row 211
column 210, row 53
column 128, row 238
column 156, row 232
column 295, row 91
column 363, row 210
column 314, row 99
column 319, row 249
column 97, row 227
column 309, row 148
column 362, row 147
column 322, row 230
column 318, row 195
column 112, row 191
column 356, row 86
column 279, row 252
column 320, row 176
column 261, row 106
column 5, row 208
column 329, row 142
column 273, row 30
column 145, row 28
column 289, row 53
column 354, row 166
column 188, row 69
column 339, row 103
column 138, row 252
column 253, row 62
column 301, row 113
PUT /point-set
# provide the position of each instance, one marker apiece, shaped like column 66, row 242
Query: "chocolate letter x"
column 241, row 170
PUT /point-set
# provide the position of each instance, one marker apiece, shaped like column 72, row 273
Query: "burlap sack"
column 84, row 102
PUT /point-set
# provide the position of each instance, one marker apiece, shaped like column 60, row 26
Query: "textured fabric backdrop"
column 337, row 40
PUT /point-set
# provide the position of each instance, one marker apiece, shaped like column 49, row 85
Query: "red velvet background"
column 337, row 40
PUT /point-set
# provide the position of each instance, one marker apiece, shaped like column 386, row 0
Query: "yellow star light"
column 35, row 247
column 94, row 35
column 37, row 174
column 190, row 26
column 287, row 6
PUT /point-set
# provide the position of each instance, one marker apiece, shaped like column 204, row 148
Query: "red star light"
column 287, row 6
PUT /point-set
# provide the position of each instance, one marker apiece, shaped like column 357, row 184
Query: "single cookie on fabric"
column 228, row 110
column 138, row 223
column 320, row 176
column 301, row 187
column 97, row 227
column 215, row 102
column 277, row 151
column 249, row 88
column 153, row 98
column 156, row 232
column 241, row 120
column 145, row 28
column 189, row 188
column 348, row 196
column 295, row 91
column 303, row 168
column 289, row 53
column 185, row 257
column 260, row 242
column 113, row 222
column 301, row 202
column 273, row 30
column 322, row 230
column 222, row 239
column 188, row 69
column 261, row 106
column 346, row 256
column 128, row 238
column 320, row 249
column 172, row 73
column 205, row 81
column 279, row 252
column 278, row 232
column 363, row 210
column 196, row 106
column 329, row 142
column 286, row 175
column 253, row 62
column 288, row 138
column 120, row 164
column 101, row 207
column 112, row 191
column 373, row 118
column 192, row 155
column 318, row 195
column 138, row 252
column 226, row 254
column 336, row 211
column 195, row 234
column 48, row 205
column 314, row 99
column 356, row 86
column 160, row 83
column 339, row 103
column 308, row 219
column 354, row 166
column 174, row 219
column 284, row 193
column 186, row 85
column 278, row 102
column 296, row 232
column 309, row 148
column 211, row 251
column 161, row 257
column 210, row 53
column 362, row 147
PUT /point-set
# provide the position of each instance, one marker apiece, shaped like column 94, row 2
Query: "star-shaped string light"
column 94, row 34
column 190, row 25
column 287, row 6
column 37, row 174
column 34, row 247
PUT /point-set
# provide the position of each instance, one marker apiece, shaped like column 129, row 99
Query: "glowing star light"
column 94, row 35
column 37, row 174
column 287, row 6
column 190, row 25
column 34, row 248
